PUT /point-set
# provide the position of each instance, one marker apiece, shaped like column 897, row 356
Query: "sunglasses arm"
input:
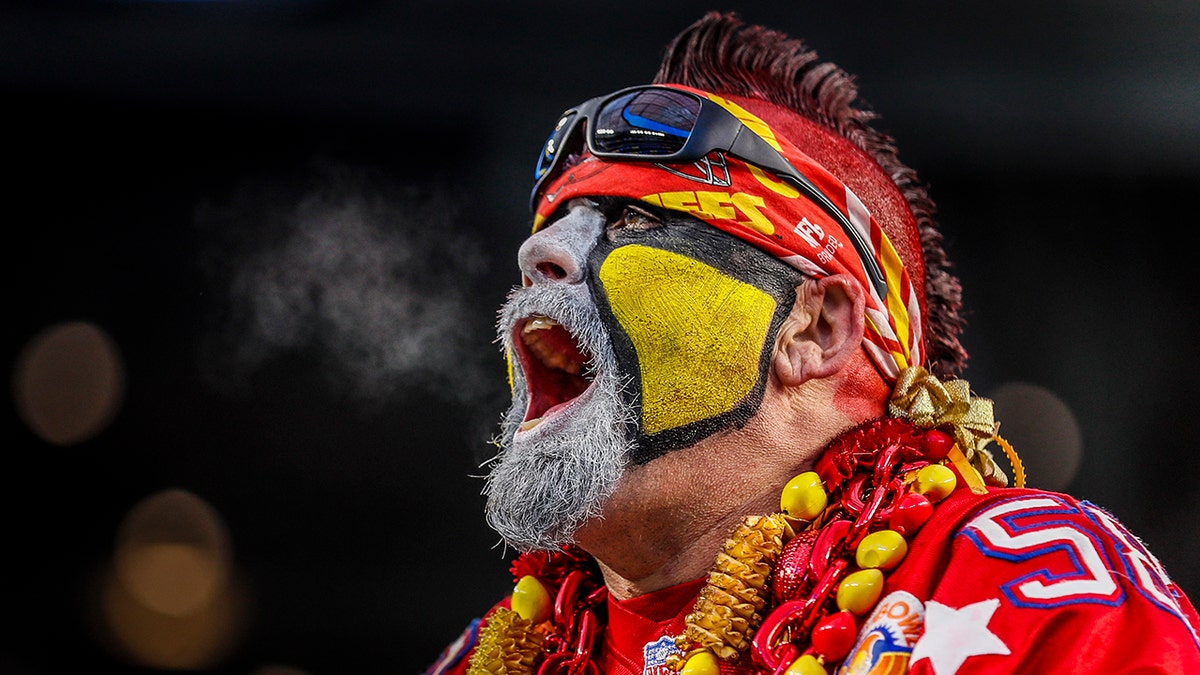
column 750, row 147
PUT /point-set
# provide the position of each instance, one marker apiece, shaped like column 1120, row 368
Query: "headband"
column 746, row 202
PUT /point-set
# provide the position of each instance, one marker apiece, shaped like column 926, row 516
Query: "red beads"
column 937, row 445
column 910, row 513
column 835, row 635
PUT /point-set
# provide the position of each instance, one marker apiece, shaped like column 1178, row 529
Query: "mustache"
column 571, row 305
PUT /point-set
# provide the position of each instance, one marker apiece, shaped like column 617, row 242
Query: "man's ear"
column 823, row 330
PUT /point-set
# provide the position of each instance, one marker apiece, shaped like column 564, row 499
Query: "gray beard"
column 541, row 490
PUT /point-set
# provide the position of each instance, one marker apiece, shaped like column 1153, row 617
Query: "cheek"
column 698, row 333
column 862, row 393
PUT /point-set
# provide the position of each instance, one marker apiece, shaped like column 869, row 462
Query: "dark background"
column 172, row 167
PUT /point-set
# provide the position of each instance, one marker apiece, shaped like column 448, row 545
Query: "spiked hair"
column 720, row 54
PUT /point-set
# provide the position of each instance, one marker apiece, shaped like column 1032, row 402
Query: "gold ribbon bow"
column 929, row 403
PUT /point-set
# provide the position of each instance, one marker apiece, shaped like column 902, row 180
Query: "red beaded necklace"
column 787, row 588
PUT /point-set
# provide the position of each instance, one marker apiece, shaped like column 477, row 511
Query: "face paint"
column 672, row 337
column 693, row 314
column 697, row 333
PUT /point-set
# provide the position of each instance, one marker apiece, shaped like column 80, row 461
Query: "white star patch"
column 954, row 635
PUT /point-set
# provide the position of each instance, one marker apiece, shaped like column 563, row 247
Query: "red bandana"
column 746, row 202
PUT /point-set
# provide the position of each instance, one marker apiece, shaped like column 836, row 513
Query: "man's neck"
column 657, row 566
column 669, row 518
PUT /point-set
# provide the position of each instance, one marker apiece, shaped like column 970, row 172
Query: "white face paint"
column 553, row 475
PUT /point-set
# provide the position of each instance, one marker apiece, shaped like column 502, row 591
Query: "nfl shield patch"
column 655, row 656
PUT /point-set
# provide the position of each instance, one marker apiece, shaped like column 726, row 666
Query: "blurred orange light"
column 69, row 382
column 1043, row 430
column 171, row 598
column 172, row 552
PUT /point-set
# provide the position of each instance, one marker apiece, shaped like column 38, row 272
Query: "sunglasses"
column 659, row 124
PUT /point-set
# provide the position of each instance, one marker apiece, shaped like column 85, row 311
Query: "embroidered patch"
column 886, row 640
column 655, row 654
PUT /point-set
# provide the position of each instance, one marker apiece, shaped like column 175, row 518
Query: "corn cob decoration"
column 508, row 645
column 730, row 604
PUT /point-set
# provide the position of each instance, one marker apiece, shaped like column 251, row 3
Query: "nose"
column 558, row 253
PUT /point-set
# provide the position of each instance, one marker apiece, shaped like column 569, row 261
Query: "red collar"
column 636, row 622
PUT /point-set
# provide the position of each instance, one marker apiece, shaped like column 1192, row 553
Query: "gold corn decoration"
column 730, row 605
column 508, row 645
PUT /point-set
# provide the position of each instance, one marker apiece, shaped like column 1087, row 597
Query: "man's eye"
column 634, row 218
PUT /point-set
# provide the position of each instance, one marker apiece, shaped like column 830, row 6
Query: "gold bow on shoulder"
column 929, row 403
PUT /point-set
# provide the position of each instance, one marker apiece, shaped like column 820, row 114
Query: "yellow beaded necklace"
column 818, row 563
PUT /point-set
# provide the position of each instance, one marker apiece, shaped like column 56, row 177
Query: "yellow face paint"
column 698, row 333
column 508, row 364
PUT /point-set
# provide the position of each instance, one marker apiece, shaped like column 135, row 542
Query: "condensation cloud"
column 373, row 282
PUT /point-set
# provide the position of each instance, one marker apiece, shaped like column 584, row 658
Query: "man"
column 737, row 443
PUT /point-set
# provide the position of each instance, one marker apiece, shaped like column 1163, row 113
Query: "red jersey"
column 1015, row 581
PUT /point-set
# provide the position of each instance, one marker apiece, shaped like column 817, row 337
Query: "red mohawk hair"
column 781, row 80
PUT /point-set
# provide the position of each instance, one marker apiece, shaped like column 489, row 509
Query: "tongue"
column 554, row 389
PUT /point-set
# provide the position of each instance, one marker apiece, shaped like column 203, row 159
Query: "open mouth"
column 556, row 370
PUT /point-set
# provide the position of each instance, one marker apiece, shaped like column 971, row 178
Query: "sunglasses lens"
column 650, row 122
column 553, row 146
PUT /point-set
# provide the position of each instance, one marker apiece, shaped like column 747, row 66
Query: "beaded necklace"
column 787, row 588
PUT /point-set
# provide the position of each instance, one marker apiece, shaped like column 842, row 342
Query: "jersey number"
column 1074, row 564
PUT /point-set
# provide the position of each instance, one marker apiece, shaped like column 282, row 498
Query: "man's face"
column 638, row 332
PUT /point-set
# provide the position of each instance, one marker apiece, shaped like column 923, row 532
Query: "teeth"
column 529, row 424
column 538, row 323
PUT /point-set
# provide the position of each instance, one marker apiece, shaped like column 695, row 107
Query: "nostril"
column 551, row 270
column 558, row 253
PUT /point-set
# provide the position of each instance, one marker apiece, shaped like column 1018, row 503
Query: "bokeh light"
column 172, row 552
column 171, row 597
column 69, row 382
column 1043, row 430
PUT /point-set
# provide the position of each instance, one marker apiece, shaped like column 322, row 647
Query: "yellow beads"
column 701, row 663
column 530, row 600
column 804, row 496
column 859, row 591
column 883, row 550
column 807, row 664
column 936, row 482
